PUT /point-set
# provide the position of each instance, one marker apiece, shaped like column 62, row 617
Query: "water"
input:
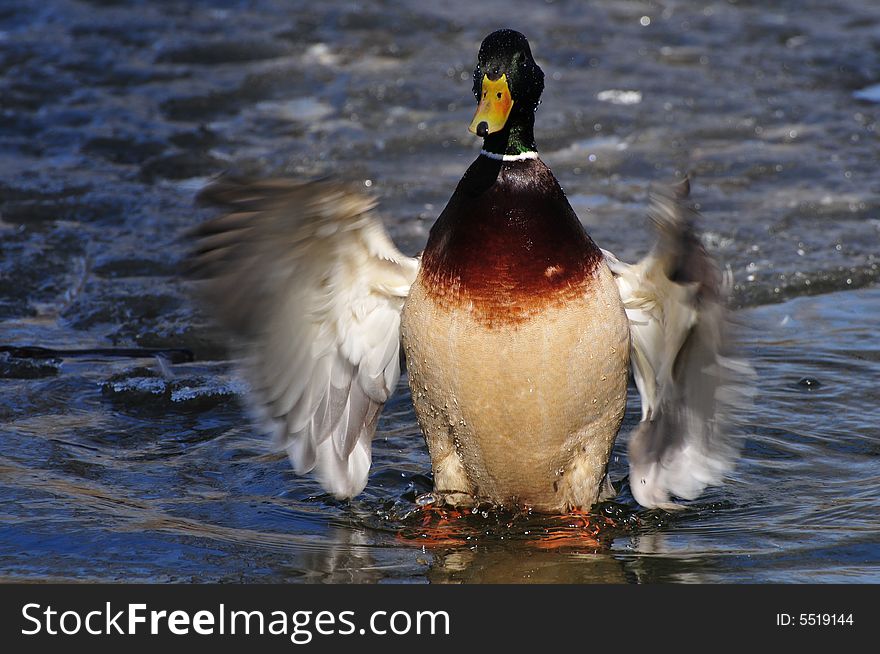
column 114, row 113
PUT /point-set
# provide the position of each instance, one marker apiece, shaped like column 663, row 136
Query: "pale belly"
column 524, row 413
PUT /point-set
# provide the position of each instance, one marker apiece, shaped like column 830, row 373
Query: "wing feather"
column 675, row 301
column 308, row 282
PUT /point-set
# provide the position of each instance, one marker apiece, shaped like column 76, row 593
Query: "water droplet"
column 425, row 499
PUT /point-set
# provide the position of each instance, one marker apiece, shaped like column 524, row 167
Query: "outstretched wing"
column 308, row 281
column 674, row 299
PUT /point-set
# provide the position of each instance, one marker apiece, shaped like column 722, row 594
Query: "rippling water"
column 114, row 113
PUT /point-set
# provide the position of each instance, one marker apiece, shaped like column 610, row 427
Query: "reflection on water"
column 115, row 114
column 500, row 565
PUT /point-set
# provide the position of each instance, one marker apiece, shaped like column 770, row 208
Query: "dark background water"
column 113, row 114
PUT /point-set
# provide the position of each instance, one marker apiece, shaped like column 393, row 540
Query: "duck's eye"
column 498, row 95
column 484, row 93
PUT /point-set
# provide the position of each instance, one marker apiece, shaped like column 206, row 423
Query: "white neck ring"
column 522, row 156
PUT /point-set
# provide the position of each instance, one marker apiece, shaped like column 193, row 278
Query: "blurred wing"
column 307, row 279
column 675, row 304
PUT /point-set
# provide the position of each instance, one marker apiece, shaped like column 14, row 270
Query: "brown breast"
column 508, row 244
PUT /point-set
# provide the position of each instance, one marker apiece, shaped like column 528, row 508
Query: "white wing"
column 309, row 283
column 675, row 304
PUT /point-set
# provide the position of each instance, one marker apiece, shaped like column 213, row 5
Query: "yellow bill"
column 494, row 108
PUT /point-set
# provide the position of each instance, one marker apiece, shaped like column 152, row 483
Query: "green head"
column 508, row 85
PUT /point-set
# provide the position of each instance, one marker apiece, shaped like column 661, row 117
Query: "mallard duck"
column 518, row 331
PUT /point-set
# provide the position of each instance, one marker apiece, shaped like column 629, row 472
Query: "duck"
column 517, row 332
